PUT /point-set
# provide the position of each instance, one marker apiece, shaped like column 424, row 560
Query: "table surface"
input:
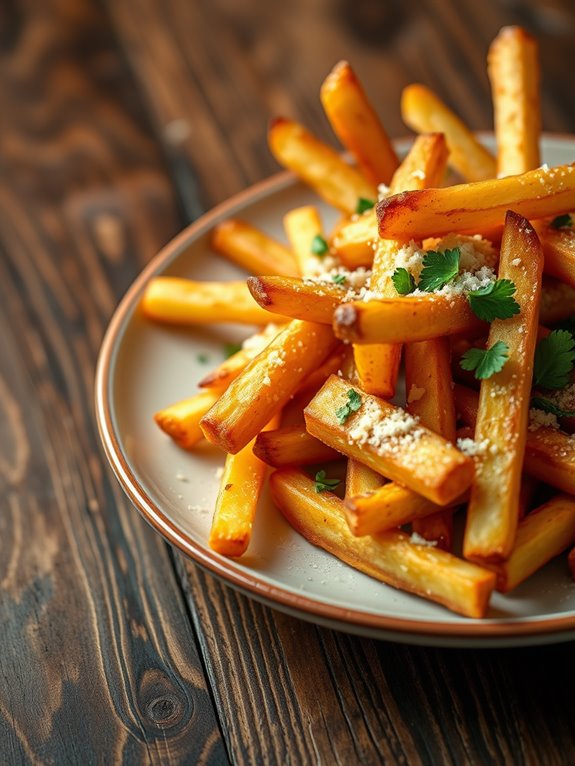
column 120, row 121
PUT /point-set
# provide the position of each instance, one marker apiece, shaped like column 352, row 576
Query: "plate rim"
column 226, row 568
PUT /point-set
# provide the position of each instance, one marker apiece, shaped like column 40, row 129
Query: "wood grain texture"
column 99, row 661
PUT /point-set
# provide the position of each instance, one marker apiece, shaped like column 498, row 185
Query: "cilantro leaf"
column 339, row 279
column 319, row 245
column 403, row 281
column 364, row 204
column 554, row 360
column 485, row 362
column 439, row 269
column 539, row 403
column 321, row 483
column 231, row 348
column 494, row 301
column 562, row 222
column 352, row 405
column 202, row 358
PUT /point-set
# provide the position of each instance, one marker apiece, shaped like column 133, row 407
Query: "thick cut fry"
column 390, row 557
column 319, row 166
column 361, row 480
column 477, row 206
column 354, row 242
column 430, row 398
column 181, row 421
column 403, row 319
column 253, row 250
column 389, row 441
column 313, row 301
column 543, row 534
column 559, row 249
column 303, row 227
column 266, row 384
column 493, row 510
column 424, row 112
column 292, row 445
column 357, row 125
column 557, row 301
column 181, row 301
column 513, row 68
column 237, row 500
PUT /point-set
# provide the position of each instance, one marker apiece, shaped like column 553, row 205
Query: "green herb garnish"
column 231, row 348
column 562, row 222
column 438, row 269
column 485, row 362
column 202, row 358
column 319, row 245
column 339, row 279
column 364, row 204
column 322, row 484
column 554, row 360
column 538, row 403
column 352, row 405
column 403, row 281
column 494, row 301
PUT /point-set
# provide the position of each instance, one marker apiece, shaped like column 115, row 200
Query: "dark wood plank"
column 99, row 662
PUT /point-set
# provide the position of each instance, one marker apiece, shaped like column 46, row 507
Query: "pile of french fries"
column 318, row 383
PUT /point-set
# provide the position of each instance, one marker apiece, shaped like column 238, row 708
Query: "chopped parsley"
column 352, row 405
column 554, row 360
column 231, row 348
column 485, row 362
column 538, row 403
column 319, row 245
column 339, row 279
column 363, row 205
column 202, row 358
column 403, row 281
column 439, row 269
column 495, row 301
column 562, row 222
column 322, row 484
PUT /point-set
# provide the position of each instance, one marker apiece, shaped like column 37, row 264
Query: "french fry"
column 174, row 300
column 181, row 421
column 424, row 112
column 318, row 165
column 252, row 249
column 541, row 535
column 404, row 318
column 357, row 125
column 557, row 301
column 571, row 562
column 237, row 500
column 559, row 250
column 388, row 440
column 390, row 557
column 266, row 384
column 354, row 241
column 303, row 226
column 477, row 206
column 292, row 445
column 314, row 302
column 292, row 413
column 430, row 398
column 502, row 415
column 513, row 68
column 361, row 480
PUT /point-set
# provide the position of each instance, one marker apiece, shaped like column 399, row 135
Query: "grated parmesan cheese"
column 419, row 540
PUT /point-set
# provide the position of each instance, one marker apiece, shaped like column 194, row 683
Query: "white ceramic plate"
column 144, row 367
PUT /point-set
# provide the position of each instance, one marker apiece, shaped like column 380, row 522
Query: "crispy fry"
column 543, row 534
column 357, row 125
column 252, row 250
column 174, row 300
column 559, row 249
column 389, row 441
column 361, row 480
column 315, row 302
column 513, row 68
column 266, row 384
column 424, row 112
column 292, row 445
column 181, row 421
column 318, row 165
column 477, row 206
column 493, row 511
column 302, row 226
column 402, row 319
column 354, row 241
column 237, row 500
column 389, row 557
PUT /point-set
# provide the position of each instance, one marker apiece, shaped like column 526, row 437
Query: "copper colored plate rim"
column 226, row 568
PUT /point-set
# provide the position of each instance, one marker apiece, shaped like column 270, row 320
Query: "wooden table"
column 120, row 120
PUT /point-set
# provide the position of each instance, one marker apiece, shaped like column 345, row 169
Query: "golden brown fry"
column 181, row 421
column 292, row 445
column 361, row 480
column 389, row 441
column 559, row 250
column 266, row 384
column 502, row 415
column 301, row 299
column 513, row 68
column 354, row 241
column 221, row 377
column 252, row 250
column 424, row 112
column 357, row 125
column 237, row 500
column 404, row 318
column 303, row 226
column 319, row 165
column 174, row 300
column 477, row 206
column 541, row 535
column 390, row 557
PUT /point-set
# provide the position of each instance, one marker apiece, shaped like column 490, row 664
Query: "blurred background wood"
column 119, row 122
